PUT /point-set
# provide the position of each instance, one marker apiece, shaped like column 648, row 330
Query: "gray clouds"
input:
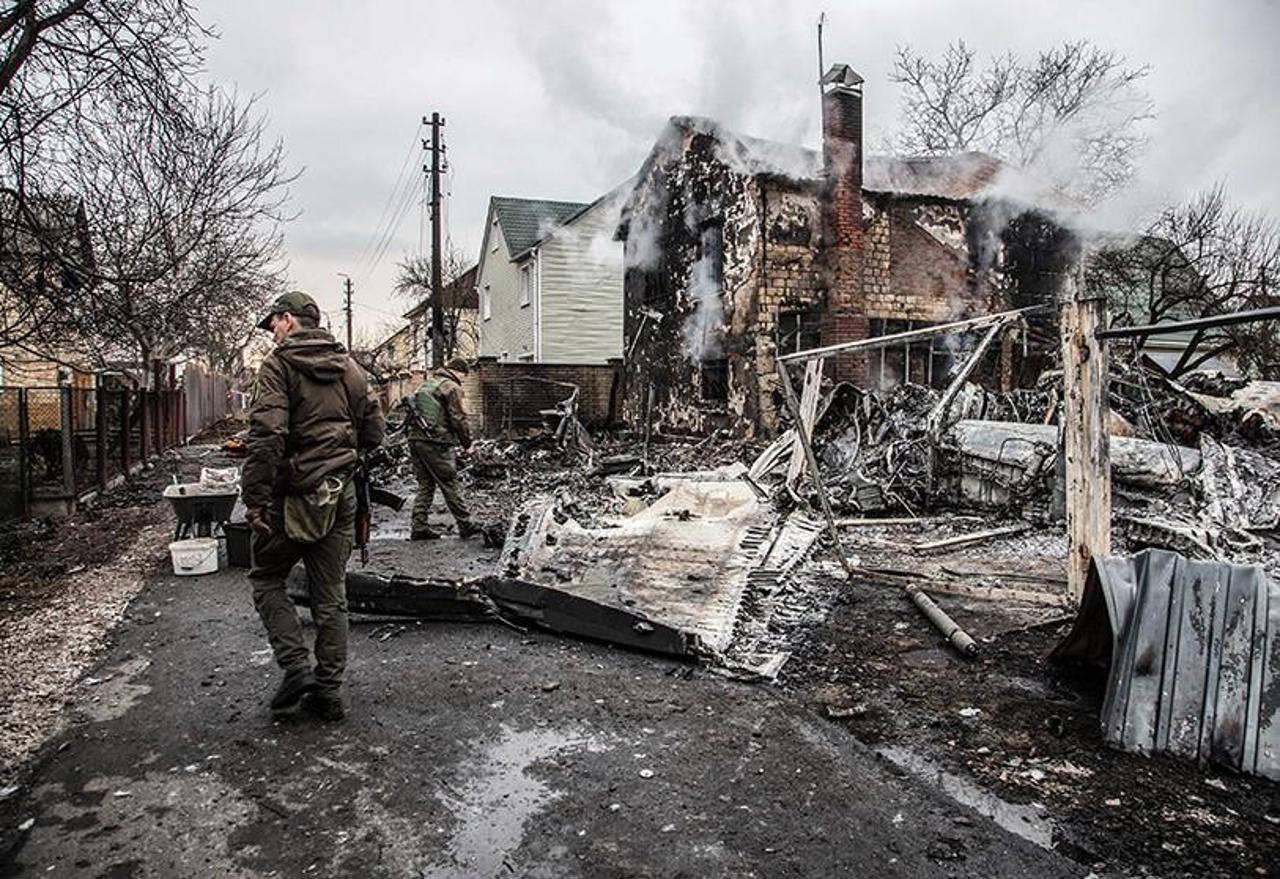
column 564, row 99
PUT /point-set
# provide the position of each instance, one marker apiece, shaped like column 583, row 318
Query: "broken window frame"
column 713, row 381
column 805, row 335
column 939, row 354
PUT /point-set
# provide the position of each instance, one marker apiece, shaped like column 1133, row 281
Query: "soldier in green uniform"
column 311, row 417
column 438, row 424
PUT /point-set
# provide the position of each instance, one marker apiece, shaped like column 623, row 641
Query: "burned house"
column 738, row 250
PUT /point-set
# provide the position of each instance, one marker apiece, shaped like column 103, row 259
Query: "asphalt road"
column 471, row 751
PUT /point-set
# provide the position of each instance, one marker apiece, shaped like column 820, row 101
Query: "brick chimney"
column 845, row 317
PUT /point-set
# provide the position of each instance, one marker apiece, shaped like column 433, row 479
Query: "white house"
column 550, row 281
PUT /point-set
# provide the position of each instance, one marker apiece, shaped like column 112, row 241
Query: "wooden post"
column 126, row 437
column 24, row 450
column 815, row 473
column 1085, row 417
column 68, row 443
column 100, row 426
column 808, row 414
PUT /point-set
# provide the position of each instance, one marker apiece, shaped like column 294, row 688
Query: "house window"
column 922, row 362
column 486, row 302
column 713, row 380
column 799, row 331
column 526, row 282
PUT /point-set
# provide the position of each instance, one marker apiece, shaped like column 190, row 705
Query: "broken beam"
column 815, row 472
column 1180, row 326
column 1086, row 430
column 970, row 539
column 908, row 336
column 939, row 413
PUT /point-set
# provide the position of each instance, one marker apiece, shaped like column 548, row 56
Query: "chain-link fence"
column 12, row 496
column 57, row 444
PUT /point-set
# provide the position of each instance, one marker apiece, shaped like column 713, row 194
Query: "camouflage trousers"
column 435, row 464
column 326, row 565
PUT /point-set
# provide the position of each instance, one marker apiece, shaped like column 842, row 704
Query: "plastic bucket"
column 196, row 555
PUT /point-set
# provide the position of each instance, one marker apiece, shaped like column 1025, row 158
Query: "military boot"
column 297, row 681
column 467, row 528
column 424, row 534
column 325, row 704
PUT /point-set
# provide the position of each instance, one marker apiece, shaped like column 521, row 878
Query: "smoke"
column 703, row 326
column 592, row 234
column 750, row 156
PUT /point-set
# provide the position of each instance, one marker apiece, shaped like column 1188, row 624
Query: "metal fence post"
column 68, row 444
column 24, row 451
column 126, row 439
column 144, row 425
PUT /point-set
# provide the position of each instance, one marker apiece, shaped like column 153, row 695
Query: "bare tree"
column 62, row 60
column 185, row 226
column 175, row 199
column 1074, row 114
column 1201, row 258
column 458, row 306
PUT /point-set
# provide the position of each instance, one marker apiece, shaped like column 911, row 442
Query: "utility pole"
column 437, row 292
column 347, row 309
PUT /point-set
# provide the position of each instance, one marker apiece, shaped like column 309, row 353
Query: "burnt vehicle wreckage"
column 733, row 564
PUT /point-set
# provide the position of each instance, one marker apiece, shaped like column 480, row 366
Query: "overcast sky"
column 562, row 100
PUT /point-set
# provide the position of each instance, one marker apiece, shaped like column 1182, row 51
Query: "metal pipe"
column 1202, row 323
column 950, row 630
column 909, row 335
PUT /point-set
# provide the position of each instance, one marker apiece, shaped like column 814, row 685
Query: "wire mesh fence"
column 12, row 496
column 58, row 443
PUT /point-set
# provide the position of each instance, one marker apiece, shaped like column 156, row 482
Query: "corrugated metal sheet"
column 1194, row 654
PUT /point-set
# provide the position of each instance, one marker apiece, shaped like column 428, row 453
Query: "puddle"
column 495, row 801
column 1024, row 821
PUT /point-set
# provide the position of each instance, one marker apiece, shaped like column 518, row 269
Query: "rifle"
column 364, row 511
column 367, row 495
column 413, row 416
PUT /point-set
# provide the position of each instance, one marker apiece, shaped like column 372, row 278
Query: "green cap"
column 293, row 302
column 458, row 364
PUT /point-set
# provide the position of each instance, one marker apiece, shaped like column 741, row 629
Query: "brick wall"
column 845, row 319
column 507, row 397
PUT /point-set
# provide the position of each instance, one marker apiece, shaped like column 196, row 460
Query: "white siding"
column 580, row 289
column 510, row 327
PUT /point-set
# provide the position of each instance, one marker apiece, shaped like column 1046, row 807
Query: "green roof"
column 526, row 221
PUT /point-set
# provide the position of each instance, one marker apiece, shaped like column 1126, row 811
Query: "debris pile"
column 884, row 454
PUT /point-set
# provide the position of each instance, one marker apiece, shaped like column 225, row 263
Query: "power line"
column 379, row 232
column 406, row 202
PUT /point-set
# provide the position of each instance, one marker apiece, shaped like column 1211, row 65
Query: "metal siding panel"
column 1195, row 667
column 582, row 319
column 1116, row 579
column 1145, row 661
column 1175, row 620
column 1266, row 761
column 1230, row 720
column 1192, row 662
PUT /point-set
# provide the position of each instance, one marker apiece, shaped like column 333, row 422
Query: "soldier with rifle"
column 437, row 424
column 311, row 420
